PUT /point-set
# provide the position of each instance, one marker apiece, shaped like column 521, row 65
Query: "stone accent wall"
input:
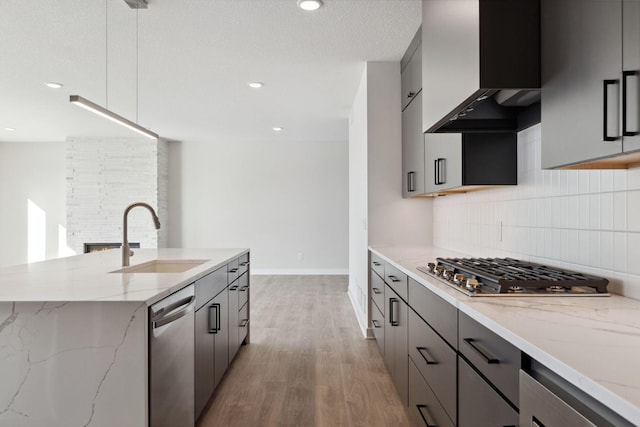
column 104, row 176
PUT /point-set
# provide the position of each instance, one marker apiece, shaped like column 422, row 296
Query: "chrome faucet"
column 126, row 251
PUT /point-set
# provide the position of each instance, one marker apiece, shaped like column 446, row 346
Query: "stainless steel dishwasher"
column 171, row 360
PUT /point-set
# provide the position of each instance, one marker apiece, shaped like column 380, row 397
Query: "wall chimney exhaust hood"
column 480, row 65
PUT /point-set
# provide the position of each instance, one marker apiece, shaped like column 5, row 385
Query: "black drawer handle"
column 375, row 323
column 376, row 263
column 425, row 415
column 233, row 288
column 376, row 291
column 625, row 76
column 233, row 270
column 214, row 318
column 244, row 323
column 393, row 313
column 605, row 109
column 426, row 356
column 244, row 288
column 244, row 264
column 394, row 279
column 482, row 352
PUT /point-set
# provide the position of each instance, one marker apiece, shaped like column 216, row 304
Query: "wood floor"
column 307, row 363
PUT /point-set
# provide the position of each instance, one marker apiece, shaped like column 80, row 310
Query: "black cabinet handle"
column 411, row 94
column 411, row 181
column 605, row 109
column 426, row 356
column 376, row 263
column 233, row 270
column 244, row 323
column 244, row 264
column 440, row 174
column 376, row 291
column 214, row 318
column 393, row 321
column 484, row 353
column 425, row 415
column 375, row 323
column 394, row 279
column 233, row 288
column 625, row 76
column 243, row 288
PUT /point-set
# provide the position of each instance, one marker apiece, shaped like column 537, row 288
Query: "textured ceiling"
column 194, row 59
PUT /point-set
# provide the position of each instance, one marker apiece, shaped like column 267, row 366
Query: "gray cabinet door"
column 631, row 75
column 443, row 161
column 234, row 307
column 204, row 359
column 412, row 149
column 454, row 74
column 221, row 336
column 396, row 332
column 581, row 62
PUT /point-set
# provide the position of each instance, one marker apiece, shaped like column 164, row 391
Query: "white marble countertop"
column 88, row 278
column 592, row 342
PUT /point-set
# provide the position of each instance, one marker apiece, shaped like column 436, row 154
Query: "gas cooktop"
column 512, row 277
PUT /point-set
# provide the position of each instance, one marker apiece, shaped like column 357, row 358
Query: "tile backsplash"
column 586, row 220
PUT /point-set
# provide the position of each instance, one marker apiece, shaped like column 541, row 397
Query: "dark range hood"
column 481, row 65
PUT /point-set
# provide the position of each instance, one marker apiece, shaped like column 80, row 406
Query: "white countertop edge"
column 615, row 402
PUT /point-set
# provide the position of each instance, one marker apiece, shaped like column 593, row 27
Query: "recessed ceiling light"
column 309, row 4
column 9, row 129
column 53, row 85
column 255, row 85
column 277, row 129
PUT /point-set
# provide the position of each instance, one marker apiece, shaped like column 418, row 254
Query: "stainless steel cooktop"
column 513, row 277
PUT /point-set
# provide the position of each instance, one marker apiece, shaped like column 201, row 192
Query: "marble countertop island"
column 592, row 342
column 73, row 336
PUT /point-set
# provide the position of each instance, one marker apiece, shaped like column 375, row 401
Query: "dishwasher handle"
column 173, row 312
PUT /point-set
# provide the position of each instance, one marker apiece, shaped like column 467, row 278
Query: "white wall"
column 378, row 214
column 280, row 199
column 584, row 220
column 36, row 172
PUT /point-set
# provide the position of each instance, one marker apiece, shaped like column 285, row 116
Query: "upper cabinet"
column 591, row 90
column 412, row 142
column 411, row 68
column 476, row 52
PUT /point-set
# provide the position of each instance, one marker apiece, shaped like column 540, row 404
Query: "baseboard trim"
column 361, row 323
column 302, row 272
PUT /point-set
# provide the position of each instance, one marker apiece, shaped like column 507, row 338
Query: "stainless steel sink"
column 163, row 266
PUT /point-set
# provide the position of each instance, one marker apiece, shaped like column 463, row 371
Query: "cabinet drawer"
column 377, row 264
column 232, row 270
column 439, row 314
column 243, row 290
column 243, row 264
column 210, row 285
column 479, row 405
column 396, row 279
column 435, row 360
column 377, row 324
column 424, row 407
column 377, row 292
column 494, row 357
column 243, row 323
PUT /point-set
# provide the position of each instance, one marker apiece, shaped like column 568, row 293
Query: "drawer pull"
column 425, row 415
column 376, row 291
column 485, row 354
column 233, row 270
column 394, row 279
column 233, row 288
column 426, row 356
column 376, row 263
column 393, row 321
column 214, row 318
column 244, row 323
column 375, row 323
column 244, row 288
column 244, row 264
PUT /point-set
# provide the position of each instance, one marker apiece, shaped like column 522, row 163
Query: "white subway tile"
column 606, row 250
column 594, row 249
column 633, row 210
column 633, row 253
column 633, row 179
column 583, row 212
column 594, row 211
column 620, row 252
column 606, row 211
column 620, row 211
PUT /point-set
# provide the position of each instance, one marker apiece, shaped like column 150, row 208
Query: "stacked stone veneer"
column 105, row 175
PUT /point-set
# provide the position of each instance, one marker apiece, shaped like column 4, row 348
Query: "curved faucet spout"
column 126, row 251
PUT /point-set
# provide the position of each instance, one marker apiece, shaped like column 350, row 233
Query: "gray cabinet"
column 413, row 173
column 424, row 408
column 590, row 65
column 454, row 160
column 411, row 70
column 211, row 343
column 395, row 341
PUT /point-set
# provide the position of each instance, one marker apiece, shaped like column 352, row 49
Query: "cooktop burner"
column 508, row 276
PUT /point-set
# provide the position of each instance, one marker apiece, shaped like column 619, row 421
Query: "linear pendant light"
column 95, row 108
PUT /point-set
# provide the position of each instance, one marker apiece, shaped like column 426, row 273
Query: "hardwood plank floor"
column 307, row 363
